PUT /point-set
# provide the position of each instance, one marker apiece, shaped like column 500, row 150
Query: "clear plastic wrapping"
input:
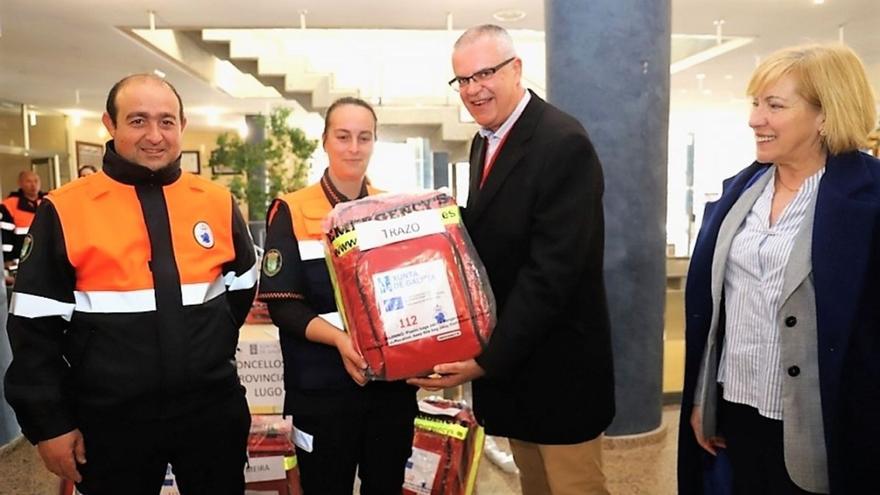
column 409, row 285
column 272, row 467
column 447, row 444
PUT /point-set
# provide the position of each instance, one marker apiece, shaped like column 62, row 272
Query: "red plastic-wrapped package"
column 272, row 467
column 447, row 446
column 258, row 314
column 410, row 287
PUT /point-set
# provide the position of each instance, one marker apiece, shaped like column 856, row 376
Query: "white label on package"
column 264, row 469
column 428, row 408
column 375, row 233
column 416, row 303
column 261, row 371
column 421, row 469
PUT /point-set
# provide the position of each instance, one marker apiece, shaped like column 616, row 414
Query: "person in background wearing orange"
column 86, row 170
column 17, row 213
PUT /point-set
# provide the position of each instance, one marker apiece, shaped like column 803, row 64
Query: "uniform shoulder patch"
column 204, row 235
column 272, row 262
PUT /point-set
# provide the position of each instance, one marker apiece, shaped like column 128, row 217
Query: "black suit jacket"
column 538, row 226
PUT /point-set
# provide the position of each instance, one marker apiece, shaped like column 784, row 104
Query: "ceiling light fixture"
column 509, row 15
column 818, row 2
column 159, row 73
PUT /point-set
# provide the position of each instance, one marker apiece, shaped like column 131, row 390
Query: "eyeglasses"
column 459, row 82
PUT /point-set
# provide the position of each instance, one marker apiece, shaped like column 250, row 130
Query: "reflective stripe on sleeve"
column 311, row 250
column 7, row 248
column 22, row 230
column 7, row 226
column 31, row 306
column 246, row 280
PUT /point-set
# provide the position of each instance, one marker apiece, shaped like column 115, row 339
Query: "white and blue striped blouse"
column 750, row 368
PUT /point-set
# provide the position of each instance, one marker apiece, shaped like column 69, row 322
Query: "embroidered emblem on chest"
column 204, row 235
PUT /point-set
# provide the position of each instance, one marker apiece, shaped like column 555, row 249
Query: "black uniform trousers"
column 207, row 450
column 754, row 446
column 371, row 437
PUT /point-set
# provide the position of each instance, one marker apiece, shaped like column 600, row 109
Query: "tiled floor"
column 630, row 471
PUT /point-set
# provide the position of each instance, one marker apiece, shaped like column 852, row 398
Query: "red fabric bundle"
column 410, row 287
column 447, row 445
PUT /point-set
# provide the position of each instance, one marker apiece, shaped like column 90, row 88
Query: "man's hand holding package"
column 449, row 375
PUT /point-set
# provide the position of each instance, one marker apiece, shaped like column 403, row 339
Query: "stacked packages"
column 272, row 468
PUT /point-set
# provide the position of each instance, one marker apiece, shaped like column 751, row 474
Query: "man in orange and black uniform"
column 17, row 212
column 124, row 319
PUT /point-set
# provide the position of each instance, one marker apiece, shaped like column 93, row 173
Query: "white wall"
column 723, row 144
column 392, row 167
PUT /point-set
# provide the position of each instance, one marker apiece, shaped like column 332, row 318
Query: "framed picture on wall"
column 89, row 154
column 189, row 162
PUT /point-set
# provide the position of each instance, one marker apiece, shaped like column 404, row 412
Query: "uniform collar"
column 126, row 172
column 334, row 196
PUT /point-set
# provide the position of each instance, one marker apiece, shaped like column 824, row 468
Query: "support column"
column 608, row 65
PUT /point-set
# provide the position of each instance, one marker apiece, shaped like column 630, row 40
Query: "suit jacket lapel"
column 729, row 228
column 799, row 266
column 508, row 157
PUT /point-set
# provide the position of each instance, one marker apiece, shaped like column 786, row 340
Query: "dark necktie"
column 477, row 165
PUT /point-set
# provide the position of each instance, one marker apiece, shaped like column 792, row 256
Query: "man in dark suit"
column 535, row 215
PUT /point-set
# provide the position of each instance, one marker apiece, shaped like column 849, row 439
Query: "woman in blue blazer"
column 782, row 306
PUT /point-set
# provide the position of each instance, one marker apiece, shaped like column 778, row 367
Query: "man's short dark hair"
column 111, row 96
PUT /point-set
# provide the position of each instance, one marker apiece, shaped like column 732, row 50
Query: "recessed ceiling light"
column 818, row 2
column 509, row 15
column 159, row 73
column 728, row 77
column 701, row 76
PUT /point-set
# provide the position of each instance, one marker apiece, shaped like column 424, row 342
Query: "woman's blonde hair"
column 832, row 78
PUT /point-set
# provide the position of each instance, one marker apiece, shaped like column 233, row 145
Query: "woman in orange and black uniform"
column 343, row 422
